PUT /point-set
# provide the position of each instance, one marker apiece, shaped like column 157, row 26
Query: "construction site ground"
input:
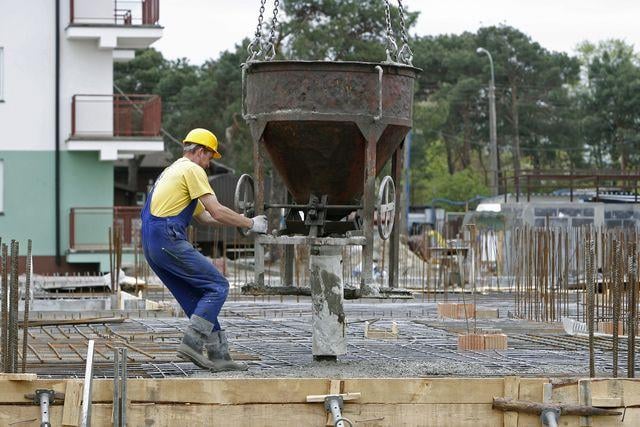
column 273, row 336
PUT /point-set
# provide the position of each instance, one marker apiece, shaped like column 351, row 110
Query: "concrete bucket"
column 328, row 128
column 314, row 119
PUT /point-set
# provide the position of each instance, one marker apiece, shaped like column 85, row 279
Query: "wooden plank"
column 427, row 390
column 531, row 389
column 184, row 390
column 268, row 415
column 512, row 390
column 72, row 400
column 607, row 402
column 18, row 377
column 626, row 389
column 230, row 391
column 584, row 398
column 565, row 393
column 275, row 415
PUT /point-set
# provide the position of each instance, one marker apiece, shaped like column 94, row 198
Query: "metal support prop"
column 85, row 419
column 44, row 398
column 334, row 405
column 327, row 300
column 120, row 387
column 366, row 283
column 258, row 169
column 550, row 417
column 394, row 244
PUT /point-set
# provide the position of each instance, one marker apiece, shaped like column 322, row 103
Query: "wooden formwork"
column 282, row 402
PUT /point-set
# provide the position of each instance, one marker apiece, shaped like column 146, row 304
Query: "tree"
column 531, row 89
column 611, row 101
column 338, row 30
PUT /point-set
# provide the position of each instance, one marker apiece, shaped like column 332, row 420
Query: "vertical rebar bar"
column 632, row 287
column 616, row 302
column 14, row 298
column 27, row 300
column 590, row 284
column 4, row 326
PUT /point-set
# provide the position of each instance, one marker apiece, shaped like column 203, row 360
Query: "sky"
column 202, row 29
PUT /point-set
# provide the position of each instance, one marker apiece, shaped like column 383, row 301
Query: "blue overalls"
column 195, row 283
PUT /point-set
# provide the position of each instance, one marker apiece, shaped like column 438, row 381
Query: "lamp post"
column 493, row 161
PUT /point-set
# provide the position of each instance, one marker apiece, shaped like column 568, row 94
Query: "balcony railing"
column 116, row 115
column 89, row 227
column 115, row 12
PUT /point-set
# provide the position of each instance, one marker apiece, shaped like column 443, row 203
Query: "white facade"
column 88, row 49
column 27, row 39
column 40, row 188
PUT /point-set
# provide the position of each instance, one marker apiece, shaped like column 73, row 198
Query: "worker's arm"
column 221, row 214
column 205, row 218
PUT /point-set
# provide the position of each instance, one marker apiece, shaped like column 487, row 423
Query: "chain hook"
column 270, row 46
column 405, row 55
column 256, row 43
column 391, row 47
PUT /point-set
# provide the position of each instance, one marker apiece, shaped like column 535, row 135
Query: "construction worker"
column 182, row 192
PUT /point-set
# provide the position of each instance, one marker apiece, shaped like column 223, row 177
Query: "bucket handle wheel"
column 244, row 199
column 386, row 207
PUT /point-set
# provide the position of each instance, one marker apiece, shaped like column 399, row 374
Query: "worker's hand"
column 259, row 224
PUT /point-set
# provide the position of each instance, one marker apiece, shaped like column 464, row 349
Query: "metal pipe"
column 116, row 388
column 57, row 132
column 550, row 417
column 333, row 404
column 492, row 126
column 123, row 387
column 44, row 398
column 379, row 115
column 319, row 206
column 85, row 420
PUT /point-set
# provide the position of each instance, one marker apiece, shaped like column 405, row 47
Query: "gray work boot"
column 190, row 348
column 218, row 353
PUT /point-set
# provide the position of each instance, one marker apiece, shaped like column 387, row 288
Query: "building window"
column 1, row 74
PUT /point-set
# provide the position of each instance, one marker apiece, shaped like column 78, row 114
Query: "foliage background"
column 555, row 111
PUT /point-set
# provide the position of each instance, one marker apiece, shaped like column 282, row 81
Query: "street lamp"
column 493, row 161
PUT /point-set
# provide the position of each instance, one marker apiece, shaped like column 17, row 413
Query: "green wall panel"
column 29, row 195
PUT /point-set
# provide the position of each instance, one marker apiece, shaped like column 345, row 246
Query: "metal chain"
column 270, row 49
column 405, row 54
column 256, row 43
column 392, row 47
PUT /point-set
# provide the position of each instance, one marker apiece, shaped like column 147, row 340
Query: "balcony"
column 118, row 126
column 89, row 227
column 124, row 24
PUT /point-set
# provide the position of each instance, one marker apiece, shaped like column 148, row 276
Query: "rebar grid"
column 274, row 338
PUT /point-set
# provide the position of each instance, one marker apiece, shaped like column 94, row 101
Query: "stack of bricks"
column 484, row 340
column 454, row 310
column 607, row 327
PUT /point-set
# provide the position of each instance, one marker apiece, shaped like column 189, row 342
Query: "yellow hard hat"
column 203, row 137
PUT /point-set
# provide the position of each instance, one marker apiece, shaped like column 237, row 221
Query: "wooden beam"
column 505, row 404
column 511, row 390
column 72, row 400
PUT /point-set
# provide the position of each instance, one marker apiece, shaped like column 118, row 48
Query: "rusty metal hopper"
column 314, row 119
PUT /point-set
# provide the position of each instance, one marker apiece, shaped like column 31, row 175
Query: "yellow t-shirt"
column 177, row 186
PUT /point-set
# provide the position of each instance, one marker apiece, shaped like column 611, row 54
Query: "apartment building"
column 63, row 125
